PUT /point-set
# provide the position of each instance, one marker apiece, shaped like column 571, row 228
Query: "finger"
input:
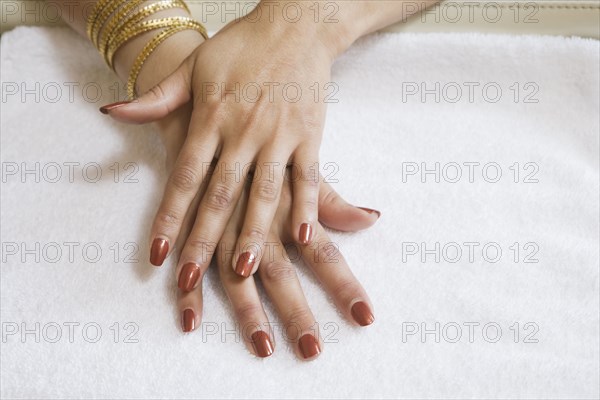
column 190, row 301
column 281, row 283
column 190, row 170
column 330, row 267
column 305, row 176
column 190, row 309
column 262, row 204
column 336, row 213
column 171, row 93
column 243, row 295
column 242, row 292
column 215, row 209
column 189, row 276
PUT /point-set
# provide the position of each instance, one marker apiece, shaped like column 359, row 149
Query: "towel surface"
column 480, row 151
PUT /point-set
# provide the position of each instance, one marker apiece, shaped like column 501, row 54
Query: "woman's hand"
column 276, row 272
column 252, row 108
column 280, row 281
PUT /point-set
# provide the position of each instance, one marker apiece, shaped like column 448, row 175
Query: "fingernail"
column 188, row 320
column 105, row 109
column 158, row 251
column 371, row 211
column 362, row 313
column 305, row 233
column 309, row 346
column 262, row 344
column 244, row 264
column 188, row 277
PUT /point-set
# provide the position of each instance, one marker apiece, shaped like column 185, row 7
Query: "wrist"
column 305, row 23
column 336, row 25
column 167, row 56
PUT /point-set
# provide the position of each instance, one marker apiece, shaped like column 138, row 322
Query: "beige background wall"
column 562, row 17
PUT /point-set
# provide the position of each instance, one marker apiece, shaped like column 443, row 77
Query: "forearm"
column 165, row 59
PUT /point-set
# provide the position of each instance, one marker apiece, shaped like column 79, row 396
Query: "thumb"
column 336, row 213
column 158, row 102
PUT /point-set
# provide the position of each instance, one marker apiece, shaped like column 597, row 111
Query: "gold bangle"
column 103, row 9
column 145, row 26
column 154, row 8
column 103, row 16
column 130, row 27
column 93, row 16
column 149, row 49
column 151, row 9
column 109, row 28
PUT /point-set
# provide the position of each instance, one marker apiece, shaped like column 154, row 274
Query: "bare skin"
column 225, row 213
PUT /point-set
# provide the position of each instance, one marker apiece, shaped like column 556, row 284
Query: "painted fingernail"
column 371, row 211
column 105, row 109
column 309, row 346
column 305, row 233
column 244, row 264
column 262, row 344
column 362, row 314
column 188, row 320
column 188, row 277
column 158, row 251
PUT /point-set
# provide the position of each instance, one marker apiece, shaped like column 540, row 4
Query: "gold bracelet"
column 132, row 31
column 102, row 17
column 109, row 28
column 149, row 49
column 94, row 14
column 149, row 10
column 152, row 9
column 130, row 25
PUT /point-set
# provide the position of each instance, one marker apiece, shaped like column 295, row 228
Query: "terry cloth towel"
column 480, row 151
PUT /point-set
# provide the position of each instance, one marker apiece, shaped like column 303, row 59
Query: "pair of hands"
column 219, row 212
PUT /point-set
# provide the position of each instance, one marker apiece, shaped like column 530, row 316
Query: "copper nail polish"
column 158, row 252
column 371, row 211
column 309, row 346
column 262, row 344
column 244, row 264
column 105, row 109
column 362, row 313
column 305, row 233
column 188, row 320
column 188, row 276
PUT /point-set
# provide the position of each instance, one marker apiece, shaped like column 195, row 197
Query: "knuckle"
column 168, row 218
column 201, row 249
column 219, row 198
column 312, row 122
column 266, row 191
column 311, row 177
column 311, row 201
column 278, row 272
column 185, row 178
column 247, row 311
column 251, row 123
column 157, row 92
column 346, row 289
column 299, row 316
column 255, row 235
column 328, row 198
column 329, row 252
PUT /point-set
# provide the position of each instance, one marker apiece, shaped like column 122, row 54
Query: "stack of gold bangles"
column 114, row 22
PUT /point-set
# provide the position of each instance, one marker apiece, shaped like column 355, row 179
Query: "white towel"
column 541, row 131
